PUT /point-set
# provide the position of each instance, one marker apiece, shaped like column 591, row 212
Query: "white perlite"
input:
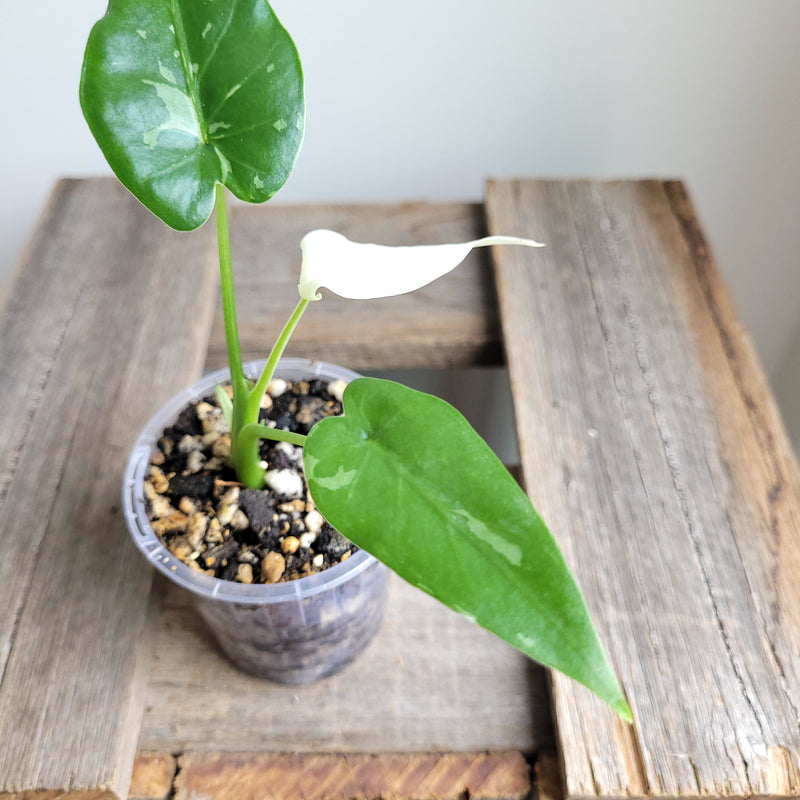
column 336, row 389
column 276, row 387
column 314, row 521
column 285, row 482
column 307, row 539
column 289, row 450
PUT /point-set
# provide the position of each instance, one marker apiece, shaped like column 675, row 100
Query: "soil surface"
column 216, row 525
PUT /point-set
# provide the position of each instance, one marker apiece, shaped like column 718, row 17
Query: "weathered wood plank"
column 449, row 776
column 547, row 773
column 92, row 341
column 430, row 681
column 153, row 774
column 669, row 482
column 451, row 323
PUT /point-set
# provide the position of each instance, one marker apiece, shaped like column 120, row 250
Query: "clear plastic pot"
column 291, row 632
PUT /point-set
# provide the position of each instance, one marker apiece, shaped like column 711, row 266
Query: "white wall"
column 427, row 98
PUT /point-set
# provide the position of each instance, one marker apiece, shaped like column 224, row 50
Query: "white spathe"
column 362, row 271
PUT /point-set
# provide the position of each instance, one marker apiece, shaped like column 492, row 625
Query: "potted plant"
column 186, row 98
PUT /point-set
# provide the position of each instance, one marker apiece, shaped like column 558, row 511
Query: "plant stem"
column 252, row 473
column 228, row 301
column 244, row 454
column 256, row 431
column 274, row 356
column 245, row 427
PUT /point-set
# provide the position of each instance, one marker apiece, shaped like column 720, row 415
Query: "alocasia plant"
column 188, row 97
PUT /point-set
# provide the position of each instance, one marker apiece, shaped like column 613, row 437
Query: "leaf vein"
column 215, row 47
column 260, row 66
column 166, row 171
column 242, row 163
column 239, row 131
column 189, row 79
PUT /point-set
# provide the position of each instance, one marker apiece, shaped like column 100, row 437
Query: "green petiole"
column 228, row 301
column 260, row 388
column 257, row 430
column 243, row 411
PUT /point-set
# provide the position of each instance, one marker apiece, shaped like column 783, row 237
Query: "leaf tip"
column 623, row 710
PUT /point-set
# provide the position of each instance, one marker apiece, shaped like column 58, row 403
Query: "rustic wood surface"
column 82, row 366
column 416, row 690
column 449, row 776
column 451, row 323
column 431, row 681
column 651, row 445
column 153, row 776
column 287, row 776
column 547, row 777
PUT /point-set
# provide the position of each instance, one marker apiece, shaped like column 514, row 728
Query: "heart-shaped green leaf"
column 184, row 94
column 403, row 475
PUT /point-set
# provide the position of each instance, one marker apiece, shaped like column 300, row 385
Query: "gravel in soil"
column 214, row 524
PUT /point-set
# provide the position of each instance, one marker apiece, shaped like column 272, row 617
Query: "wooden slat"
column 451, row 776
column 431, row 680
column 547, row 773
column 669, row 483
column 153, row 774
column 93, row 339
column 451, row 323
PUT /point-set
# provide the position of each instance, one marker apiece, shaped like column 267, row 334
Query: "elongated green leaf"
column 403, row 475
column 184, row 94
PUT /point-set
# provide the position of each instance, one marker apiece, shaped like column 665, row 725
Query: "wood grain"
column 547, row 773
column 153, row 774
column 650, row 443
column 450, row 323
column 450, row 776
column 430, row 681
column 92, row 341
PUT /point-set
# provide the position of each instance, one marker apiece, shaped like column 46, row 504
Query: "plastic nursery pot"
column 291, row 632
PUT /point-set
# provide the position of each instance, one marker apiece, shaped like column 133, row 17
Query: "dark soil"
column 216, row 525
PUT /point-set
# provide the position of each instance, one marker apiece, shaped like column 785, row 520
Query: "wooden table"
column 648, row 440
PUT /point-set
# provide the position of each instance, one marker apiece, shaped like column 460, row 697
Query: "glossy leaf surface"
column 403, row 475
column 184, row 94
